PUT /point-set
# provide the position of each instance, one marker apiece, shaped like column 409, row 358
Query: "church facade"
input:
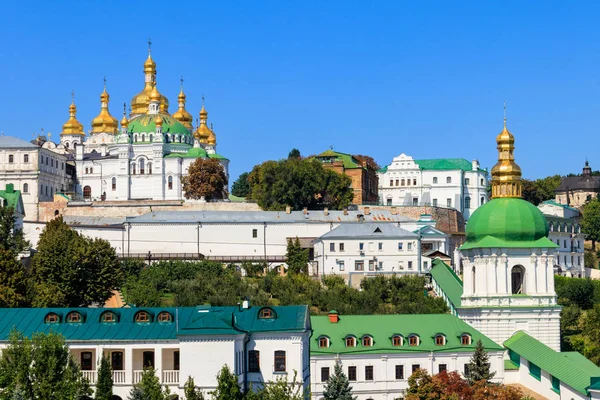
column 143, row 157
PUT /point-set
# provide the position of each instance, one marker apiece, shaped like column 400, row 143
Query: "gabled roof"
column 383, row 327
column 448, row 281
column 8, row 142
column 571, row 368
column 348, row 160
column 554, row 203
column 368, row 230
column 428, row 230
column 586, row 182
column 12, row 198
column 186, row 321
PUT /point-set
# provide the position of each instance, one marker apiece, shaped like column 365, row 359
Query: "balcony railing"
column 90, row 376
column 137, row 376
column 118, row 377
column 169, row 377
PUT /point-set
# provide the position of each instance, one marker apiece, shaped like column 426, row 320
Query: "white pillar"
column 128, row 364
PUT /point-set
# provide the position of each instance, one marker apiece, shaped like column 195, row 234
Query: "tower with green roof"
column 508, row 261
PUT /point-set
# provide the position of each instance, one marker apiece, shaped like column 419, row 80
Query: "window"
column 391, row 182
column 465, row 340
column 467, row 181
column 482, row 182
column 448, row 179
column 481, row 201
column 91, row 170
column 448, row 202
column 26, row 158
column 86, row 360
column 323, row 342
column 331, row 246
column 148, row 359
column 341, row 265
column 142, row 166
column 372, row 265
column 425, row 264
column 279, row 361
column 361, row 246
column 435, row 202
column 164, row 316
column 341, row 246
column 350, row 341
column 396, row 340
column 413, row 340
column 435, row 180
column 108, row 317
column 352, row 373
column 25, row 188
column 401, row 265
column 517, row 276
column 442, row 368
column 87, row 170
column 440, row 340
column 254, row 233
column 410, row 266
column 11, row 159
column 324, row 374
column 51, row 318
column 467, row 202
column 169, row 182
column 415, row 201
column 87, row 193
column 114, row 183
column 396, row 182
column 369, row 373
column 380, row 246
column 514, row 357
column 149, row 168
column 409, row 246
column 359, row 265
column 74, row 317
column 116, row 361
column 565, row 244
column 408, row 182
column 142, row 316
column 556, row 384
column 402, row 182
column 399, row 246
column 253, row 361
column 414, row 182
column 399, row 371
column 176, row 360
column 535, row 371
column 415, row 367
column 367, row 341
column 266, row 313
column 466, row 370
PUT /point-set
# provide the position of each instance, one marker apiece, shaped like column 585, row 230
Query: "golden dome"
column 105, row 122
column 154, row 94
column 203, row 133
column 124, row 121
column 72, row 126
column 150, row 65
column 506, row 174
column 158, row 121
column 140, row 102
column 182, row 115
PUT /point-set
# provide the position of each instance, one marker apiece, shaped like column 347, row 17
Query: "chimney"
column 345, row 211
column 246, row 304
column 475, row 165
column 326, row 210
column 288, row 209
column 394, row 210
column 334, row 317
column 79, row 152
column 305, row 210
column 367, row 210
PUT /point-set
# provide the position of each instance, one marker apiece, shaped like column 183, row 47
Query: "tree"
column 40, row 367
column 337, row 386
column 479, row 365
column 370, row 161
column 11, row 238
column 148, row 388
column 104, row 383
column 294, row 153
column 575, row 291
column 70, row 270
column 205, row 179
column 190, row 390
column 297, row 257
column 540, row 190
column 281, row 389
column 13, row 280
column 590, row 260
column 590, row 223
column 227, row 386
column 241, row 187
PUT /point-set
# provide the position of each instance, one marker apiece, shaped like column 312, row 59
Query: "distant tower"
column 72, row 131
column 508, row 261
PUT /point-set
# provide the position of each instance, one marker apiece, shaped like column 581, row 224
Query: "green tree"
column 281, row 389
column 297, row 257
column 149, row 387
column 590, row 223
column 294, row 153
column 70, row 270
column 227, row 386
column 575, row 291
column 190, row 390
column 205, row 179
column 479, row 365
column 10, row 237
column 241, row 186
column 337, row 386
column 40, row 367
column 540, row 190
column 368, row 160
column 13, row 280
column 104, row 384
column 590, row 260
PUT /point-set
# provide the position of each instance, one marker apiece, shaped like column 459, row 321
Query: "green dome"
column 145, row 123
column 507, row 222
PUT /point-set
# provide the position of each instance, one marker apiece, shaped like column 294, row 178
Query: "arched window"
column 465, row 339
column 435, row 179
column 149, row 168
column 448, row 179
column 467, row 202
column 367, row 341
column 350, row 341
column 323, row 341
column 467, row 181
column 266, row 313
column 517, row 275
column 91, row 170
column 114, row 183
column 482, row 182
column 396, row 340
column 482, row 200
column 66, row 145
column 440, row 340
column 74, row 317
column 474, row 278
column 142, row 316
column 11, row 158
column 135, row 137
column 26, row 188
column 143, row 137
column 52, row 318
column 164, row 316
column 402, row 182
column 87, row 192
column 133, row 169
column 108, row 317
column 87, row 170
column 551, row 226
column 413, row 340
column 151, row 137
column 170, row 183
column 142, row 166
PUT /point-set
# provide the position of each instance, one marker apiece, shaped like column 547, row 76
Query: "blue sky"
column 380, row 78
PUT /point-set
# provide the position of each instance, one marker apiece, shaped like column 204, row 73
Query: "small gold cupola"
column 182, row 115
column 72, row 126
column 124, row 121
column 506, row 174
column 140, row 102
column 203, row 133
column 104, row 122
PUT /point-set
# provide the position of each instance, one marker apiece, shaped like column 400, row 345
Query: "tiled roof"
column 382, row 328
column 571, row 368
column 13, row 142
column 448, row 281
column 202, row 320
column 371, row 230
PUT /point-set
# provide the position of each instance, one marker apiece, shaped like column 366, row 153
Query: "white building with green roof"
column 446, row 182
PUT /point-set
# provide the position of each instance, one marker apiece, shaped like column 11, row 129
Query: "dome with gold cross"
column 104, row 122
column 182, row 115
column 140, row 102
column 72, row 126
column 203, row 133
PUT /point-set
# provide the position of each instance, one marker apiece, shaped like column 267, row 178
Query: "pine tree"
column 337, row 386
column 136, row 394
column 479, row 365
column 105, row 383
column 190, row 390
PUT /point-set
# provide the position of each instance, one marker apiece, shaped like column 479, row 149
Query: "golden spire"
column 506, row 174
column 124, row 121
column 105, row 122
column 140, row 102
column 203, row 133
column 181, row 114
column 158, row 121
column 72, row 126
column 154, row 94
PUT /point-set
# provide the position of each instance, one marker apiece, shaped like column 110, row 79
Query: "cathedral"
column 146, row 155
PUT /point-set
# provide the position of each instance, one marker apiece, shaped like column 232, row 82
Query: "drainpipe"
column 246, row 341
column 265, row 243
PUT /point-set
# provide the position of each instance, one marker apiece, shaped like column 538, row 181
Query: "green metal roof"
column 12, row 198
column 448, row 281
column 145, row 123
column 445, row 164
column 194, row 152
column 554, row 203
column 348, row 160
column 510, row 366
column 201, row 320
column 571, row 368
column 217, row 156
column 383, row 327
